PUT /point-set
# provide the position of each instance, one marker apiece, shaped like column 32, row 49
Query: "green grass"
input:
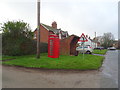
column 0, row 57
column 100, row 51
column 7, row 57
column 64, row 62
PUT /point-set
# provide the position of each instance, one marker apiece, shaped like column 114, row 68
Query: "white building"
column 90, row 42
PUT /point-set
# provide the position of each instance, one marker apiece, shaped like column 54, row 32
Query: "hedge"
column 16, row 48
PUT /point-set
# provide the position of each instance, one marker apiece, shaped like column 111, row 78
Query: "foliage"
column 30, row 47
column 16, row 30
column 63, row 62
column 14, row 34
column 17, row 39
column 107, row 40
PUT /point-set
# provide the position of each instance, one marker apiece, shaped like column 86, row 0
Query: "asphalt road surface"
column 106, row 77
column 109, row 74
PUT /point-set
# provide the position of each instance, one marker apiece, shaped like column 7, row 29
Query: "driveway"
column 106, row 77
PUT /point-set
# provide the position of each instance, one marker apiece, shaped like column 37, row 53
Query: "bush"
column 25, row 48
column 30, row 47
column 17, row 39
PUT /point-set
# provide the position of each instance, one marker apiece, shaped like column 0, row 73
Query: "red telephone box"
column 53, row 46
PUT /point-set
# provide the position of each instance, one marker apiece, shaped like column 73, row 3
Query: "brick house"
column 67, row 43
column 46, row 30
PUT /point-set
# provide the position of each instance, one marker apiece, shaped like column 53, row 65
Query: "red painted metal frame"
column 53, row 46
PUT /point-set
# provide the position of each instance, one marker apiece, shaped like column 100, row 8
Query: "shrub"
column 30, row 47
column 17, row 39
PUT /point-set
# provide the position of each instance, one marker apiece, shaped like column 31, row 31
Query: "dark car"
column 100, row 48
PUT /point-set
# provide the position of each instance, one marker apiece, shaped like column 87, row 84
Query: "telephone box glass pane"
column 51, row 47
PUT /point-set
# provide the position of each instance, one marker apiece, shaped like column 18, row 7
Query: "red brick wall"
column 44, row 33
column 68, row 45
column 65, row 46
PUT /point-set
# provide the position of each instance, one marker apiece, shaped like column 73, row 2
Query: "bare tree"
column 107, row 39
column 98, row 39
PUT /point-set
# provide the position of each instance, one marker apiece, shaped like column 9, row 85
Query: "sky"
column 74, row 16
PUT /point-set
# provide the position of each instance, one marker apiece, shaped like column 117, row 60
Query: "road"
column 109, row 74
column 106, row 77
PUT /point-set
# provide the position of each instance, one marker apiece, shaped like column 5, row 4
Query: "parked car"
column 86, row 49
column 99, row 48
column 111, row 48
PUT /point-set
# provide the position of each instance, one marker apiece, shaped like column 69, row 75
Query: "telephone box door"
column 53, row 46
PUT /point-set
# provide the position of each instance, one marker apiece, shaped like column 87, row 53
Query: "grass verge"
column 7, row 57
column 100, row 51
column 63, row 62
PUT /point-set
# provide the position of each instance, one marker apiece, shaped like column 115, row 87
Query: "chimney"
column 54, row 25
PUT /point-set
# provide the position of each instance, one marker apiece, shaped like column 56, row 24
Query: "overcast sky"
column 74, row 16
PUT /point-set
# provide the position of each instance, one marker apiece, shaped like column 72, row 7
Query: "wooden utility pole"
column 38, row 28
